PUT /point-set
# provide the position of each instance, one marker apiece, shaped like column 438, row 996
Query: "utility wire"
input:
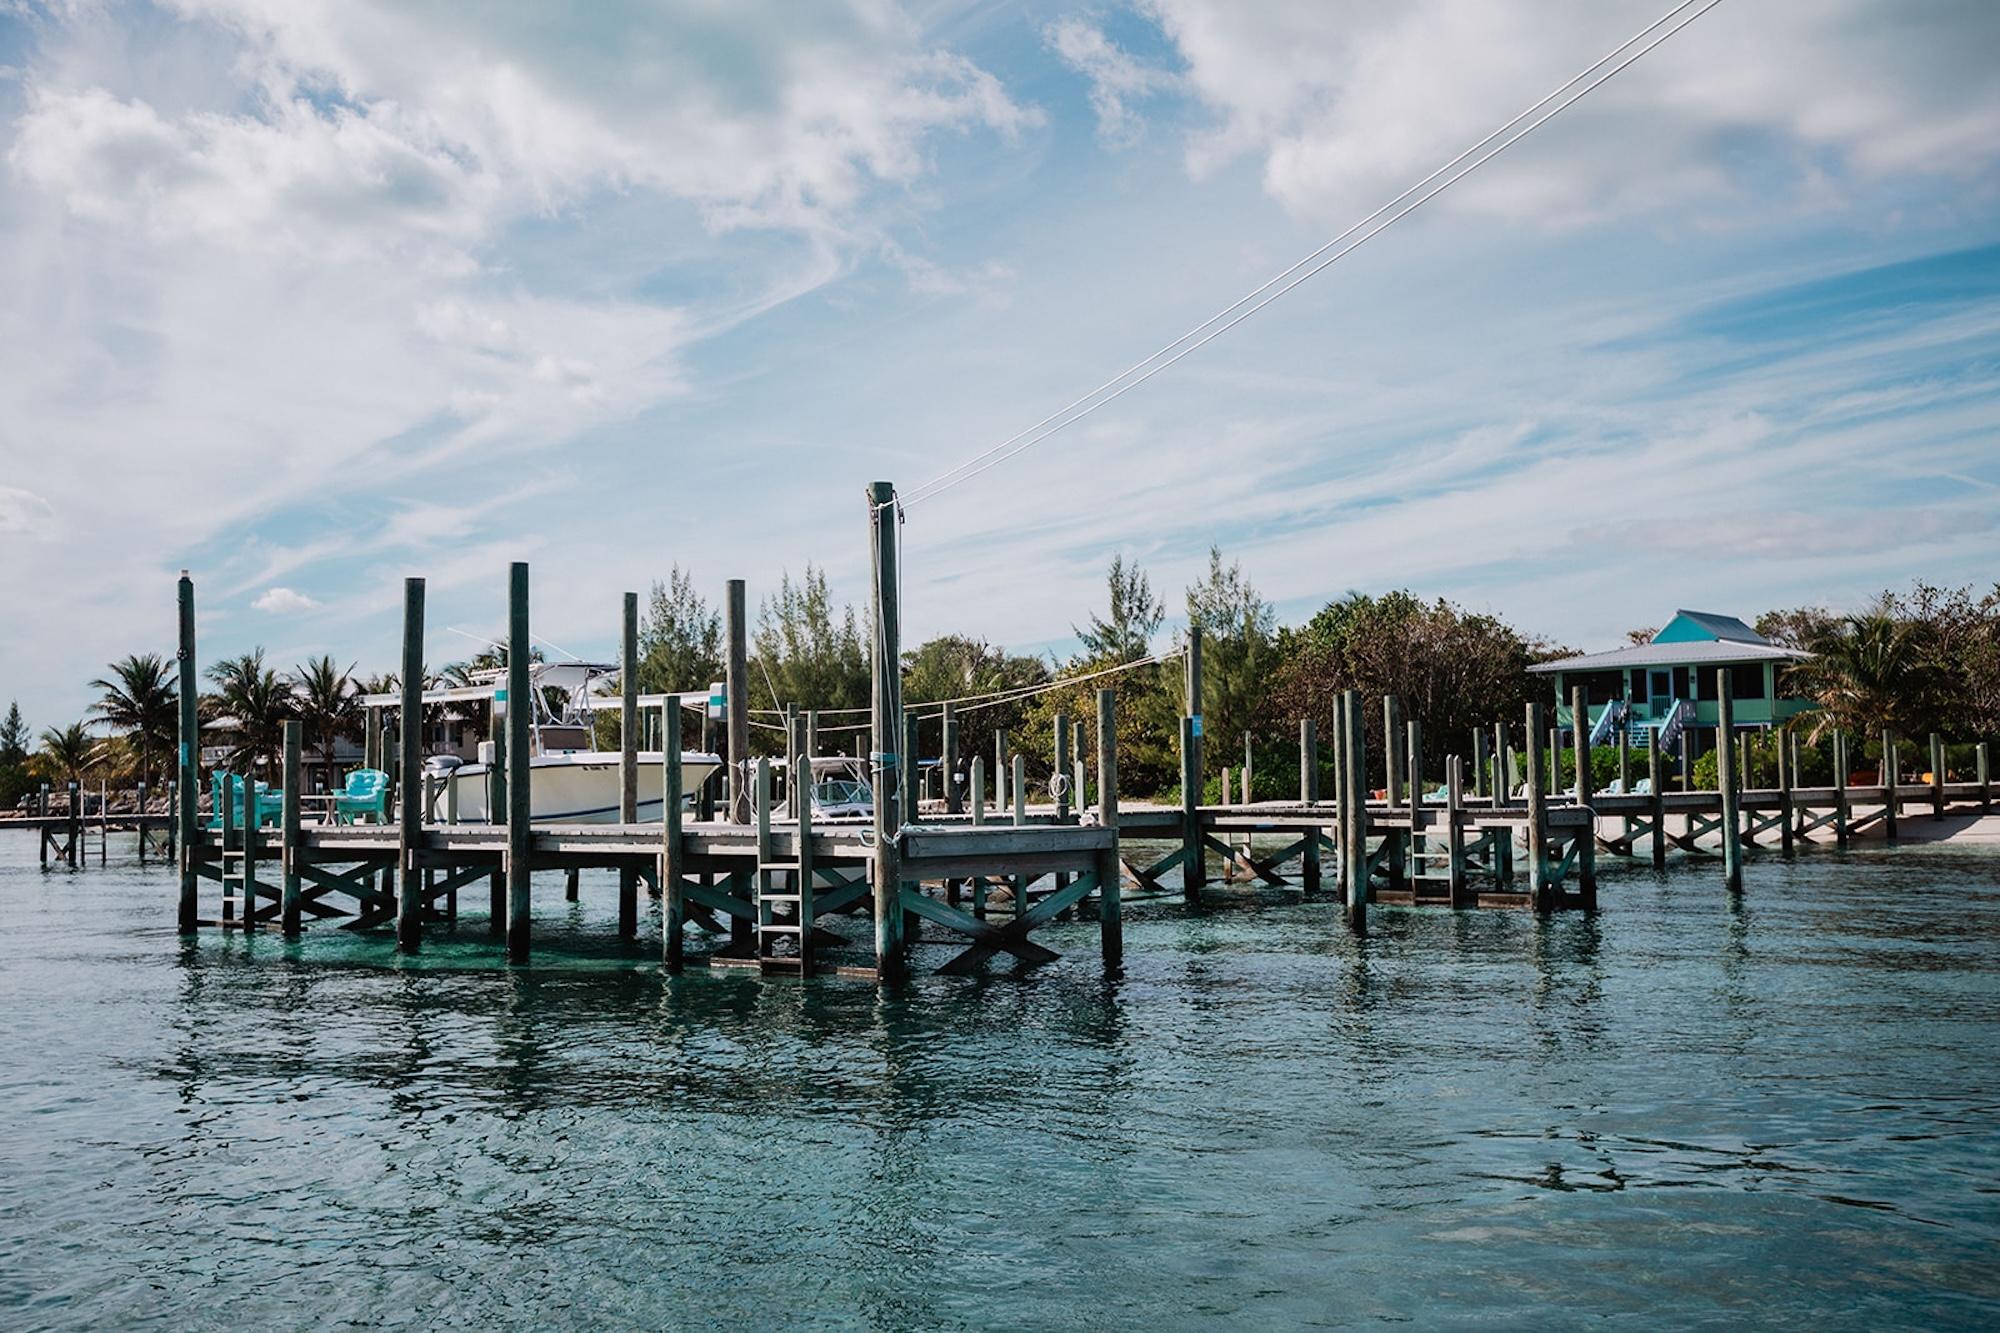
column 1400, row 207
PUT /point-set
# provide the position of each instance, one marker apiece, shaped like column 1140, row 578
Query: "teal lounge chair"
column 365, row 793
column 230, row 787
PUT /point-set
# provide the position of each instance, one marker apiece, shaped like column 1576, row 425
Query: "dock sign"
column 718, row 699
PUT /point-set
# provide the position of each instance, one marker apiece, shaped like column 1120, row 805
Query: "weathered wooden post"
column 1194, row 870
column 1059, row 790
column 954, row 799
column 673, row 857
column 520, row 809
column 1728, row 780
column 1194, row 861
column 1624, row 759
column 142, row 823
column 1658, row 800
column 1454, row 832
column 1017, row 787
column 1354, row 833
column 1309, row 797
column 1415, row 839
column 1479, row 774
column 1937, row 776
column 187, row 790
column 978, row 782
column 1985, row 782
column 1892, row 782
column 1502, row 792
column 1585, row 787
column 1395, row 841
column 290, row 882
column 736, row 703
column 886, row 729
column 1540, row 891
column 1840, row 769
column 1787, row 781
column 799, row 775
column 1109, row 869
column 1077, row 752
column 410, row 761
column 628, row 758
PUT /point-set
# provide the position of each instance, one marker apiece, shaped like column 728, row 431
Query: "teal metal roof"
column 1706, row 627
column 1700, row 652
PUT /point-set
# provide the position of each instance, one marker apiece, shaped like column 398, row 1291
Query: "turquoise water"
column 1675, row 1112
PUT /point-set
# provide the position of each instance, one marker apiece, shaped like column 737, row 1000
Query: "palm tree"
column 68, row 751
column 139, row 702
column 258, row 699
column 328, row 705
column 1868, row 673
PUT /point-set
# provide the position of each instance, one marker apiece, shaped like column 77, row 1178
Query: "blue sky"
column 307, row 297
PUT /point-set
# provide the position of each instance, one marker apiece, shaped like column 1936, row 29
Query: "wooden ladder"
column 782, row 885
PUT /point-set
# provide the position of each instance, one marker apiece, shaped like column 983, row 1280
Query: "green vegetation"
column 1915, row 662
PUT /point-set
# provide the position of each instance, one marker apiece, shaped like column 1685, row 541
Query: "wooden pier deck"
column 763, row 883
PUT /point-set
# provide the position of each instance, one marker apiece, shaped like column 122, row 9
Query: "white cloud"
column 1345, row 105
column 283, row 601
column 268, row 258
column 23, row 513
column 1117, row 78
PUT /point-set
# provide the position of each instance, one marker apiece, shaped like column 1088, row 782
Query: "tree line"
column 1923, row 660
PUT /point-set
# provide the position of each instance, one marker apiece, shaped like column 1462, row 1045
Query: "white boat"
column 568, row 783
column 575, row 787
column 841, row 791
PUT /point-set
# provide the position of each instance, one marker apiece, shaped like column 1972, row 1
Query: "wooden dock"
column 761, row 886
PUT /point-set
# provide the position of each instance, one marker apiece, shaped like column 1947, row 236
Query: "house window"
column 1681, row 683
column 1704, row 685
column 1746, row 680
column 1639, row 687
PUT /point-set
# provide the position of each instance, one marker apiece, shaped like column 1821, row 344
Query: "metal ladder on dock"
column 773, row 893
column 237, row 866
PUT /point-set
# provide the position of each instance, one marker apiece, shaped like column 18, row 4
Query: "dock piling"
column 1309, row 867
column 628, row 758
column 520, row 809
column 410, row 763
column 1109, row 868
column 673, row 896
column 886, row 729
column 1540, row 890
column 288, row 826
column 188, row 789
column 1729, row 781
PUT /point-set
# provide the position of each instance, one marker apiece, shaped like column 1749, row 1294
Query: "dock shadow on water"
column 1679, row 1108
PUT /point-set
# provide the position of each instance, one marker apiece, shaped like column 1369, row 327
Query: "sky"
column 306, row 296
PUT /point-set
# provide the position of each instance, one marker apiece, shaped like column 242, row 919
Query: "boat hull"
column 572, row 788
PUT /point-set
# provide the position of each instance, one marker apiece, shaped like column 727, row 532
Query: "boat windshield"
column 841, row 791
